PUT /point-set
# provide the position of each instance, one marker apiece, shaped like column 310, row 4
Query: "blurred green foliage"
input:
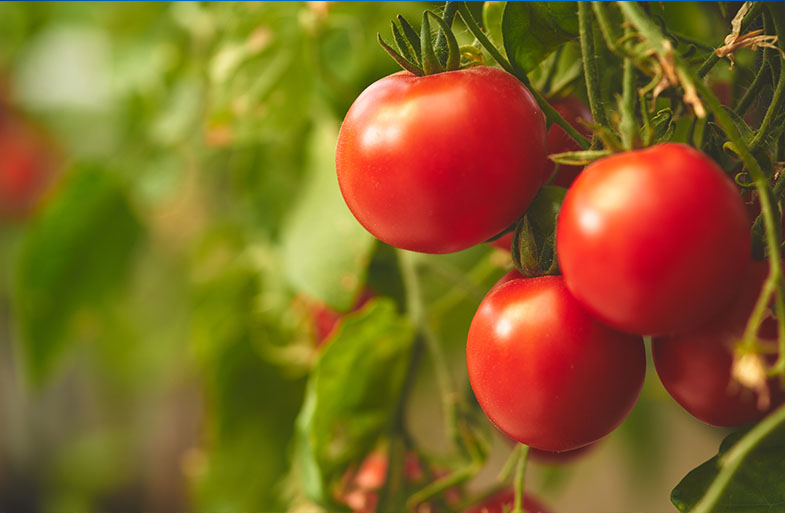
column 156, row 286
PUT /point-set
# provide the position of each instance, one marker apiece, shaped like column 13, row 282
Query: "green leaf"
column 352, row 396
column 325, row 250
column 534, row 243
column 532, row 30
column 757, row 487
column 76, row 255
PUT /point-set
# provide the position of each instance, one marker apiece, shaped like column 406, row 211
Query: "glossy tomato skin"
column 695, row 367
column 546, row 372
column 440, row 163
column 496, row 503
column 573, row 111
column 654, row 241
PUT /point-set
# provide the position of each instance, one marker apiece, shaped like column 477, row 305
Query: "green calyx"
column 416, row 52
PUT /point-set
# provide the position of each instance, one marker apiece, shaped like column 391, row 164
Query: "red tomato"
column 695, row 368
column 573, row 111
column 497, row 502
column 26, row 166
column 546, row 372
column 442, row 162
column 362, row 491
column 654, row 241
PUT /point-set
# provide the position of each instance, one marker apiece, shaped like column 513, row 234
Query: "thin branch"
column 520, row 478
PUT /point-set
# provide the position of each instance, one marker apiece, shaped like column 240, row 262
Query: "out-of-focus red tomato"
column 360, row 489
column 27, row 165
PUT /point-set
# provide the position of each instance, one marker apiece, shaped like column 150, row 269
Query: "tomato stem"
column 457, row 477
column 628, row 127
column 512, row 460
column 608, row 28
column 520, row 478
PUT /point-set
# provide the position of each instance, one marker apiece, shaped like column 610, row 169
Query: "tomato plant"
column 442, row 162
column 696, row 367
column 654, row 241
column 544, row 371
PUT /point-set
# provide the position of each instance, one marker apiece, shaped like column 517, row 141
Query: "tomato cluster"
column 652, row 242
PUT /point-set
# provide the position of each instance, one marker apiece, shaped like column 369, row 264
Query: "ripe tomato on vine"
column 442, row 162
column 654, row 241
column 544, row 371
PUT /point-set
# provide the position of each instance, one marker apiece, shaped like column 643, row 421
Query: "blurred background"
column 170, row 221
